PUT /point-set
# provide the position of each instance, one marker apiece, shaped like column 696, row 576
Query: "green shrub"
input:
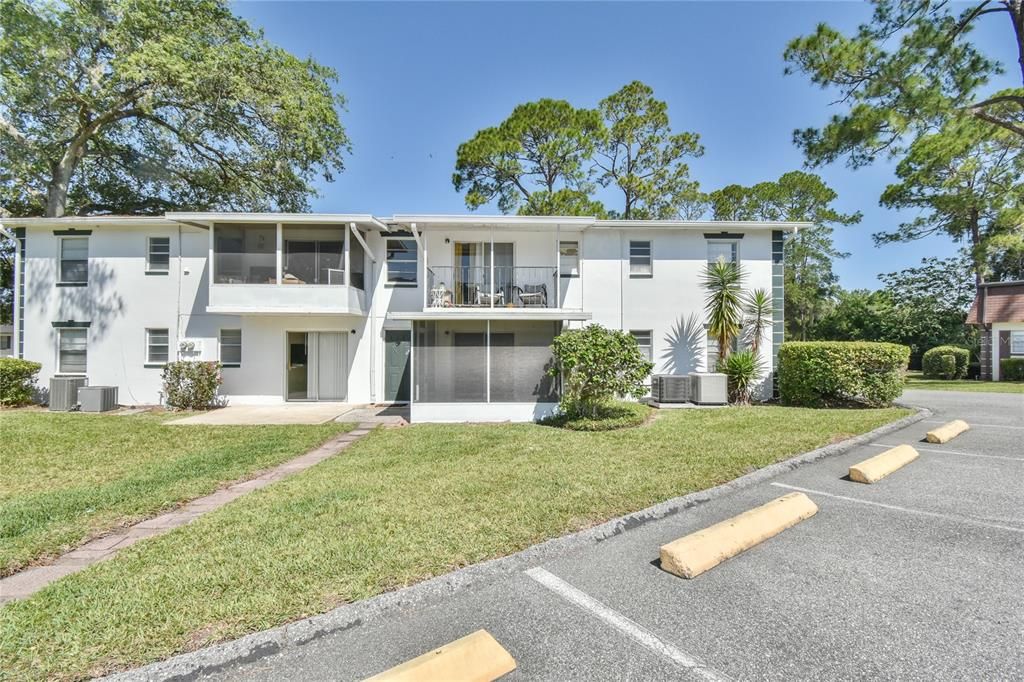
column 947, row 365
column 933, row 367
column 17, row 381
column 742, row 369
column 598, row 365
column 1011, row 369
column 190, row 384
column 610, row 416
column 840, row 373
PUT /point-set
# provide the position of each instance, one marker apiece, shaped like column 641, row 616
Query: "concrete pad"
column 878, row 467
column 947, row 432
column 698, row 552
column 474, row 658
column 285, row 413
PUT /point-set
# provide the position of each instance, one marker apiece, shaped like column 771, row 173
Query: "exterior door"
column 397, row 347
column 317, row 366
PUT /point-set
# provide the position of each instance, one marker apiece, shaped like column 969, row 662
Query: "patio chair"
column 484, row 297
column 533, row 295
column 440, row 296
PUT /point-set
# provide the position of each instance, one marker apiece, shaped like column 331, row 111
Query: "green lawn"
column 400, row 506
column 915, row 380
column 66, row 478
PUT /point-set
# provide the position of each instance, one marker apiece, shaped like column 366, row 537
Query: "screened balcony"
column 293, row 268
column 488, row 361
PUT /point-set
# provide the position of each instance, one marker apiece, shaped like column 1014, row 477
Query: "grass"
column 69, row 477
column 916, row 380
column 400, row 506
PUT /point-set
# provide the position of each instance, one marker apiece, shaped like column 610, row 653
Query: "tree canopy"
column 639, row 154
column 908, row 69
column 796, row 196
column 542, row 147
column 548, row 158
column 141, row 106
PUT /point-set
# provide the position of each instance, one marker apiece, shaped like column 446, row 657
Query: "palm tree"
column 723, row 282
column 757, row 307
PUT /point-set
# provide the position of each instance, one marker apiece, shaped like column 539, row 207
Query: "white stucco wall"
column 121, row 301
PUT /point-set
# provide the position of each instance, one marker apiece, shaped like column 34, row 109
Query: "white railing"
column 472, row 286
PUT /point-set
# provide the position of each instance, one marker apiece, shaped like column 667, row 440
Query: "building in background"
column 998, row 312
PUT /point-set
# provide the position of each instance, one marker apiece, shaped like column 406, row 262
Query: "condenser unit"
column 671, row 388
column 710, row 388
column 97, row 398
column 64, row 393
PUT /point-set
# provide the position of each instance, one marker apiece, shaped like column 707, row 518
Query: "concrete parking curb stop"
column 702, row 550
column 474, row 658
column 220, row 657
column 947, row 431
column 878, row 467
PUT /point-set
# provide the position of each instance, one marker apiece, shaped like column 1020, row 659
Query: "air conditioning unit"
column 64, row 393
column 671, row 388
column 97, row 398
column 710, row 388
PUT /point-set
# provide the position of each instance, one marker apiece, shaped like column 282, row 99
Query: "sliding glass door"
column 317, row 366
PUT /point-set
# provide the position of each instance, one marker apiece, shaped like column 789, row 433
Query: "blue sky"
column 422, row 77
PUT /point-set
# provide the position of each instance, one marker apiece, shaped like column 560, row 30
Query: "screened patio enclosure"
column 484, row 361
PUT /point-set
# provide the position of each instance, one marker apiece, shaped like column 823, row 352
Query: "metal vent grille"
column 64, row 393
column 670, row 388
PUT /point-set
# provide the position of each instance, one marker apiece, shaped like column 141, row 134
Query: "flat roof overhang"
column 265, row 311
column 550, row 314
column 205, row 218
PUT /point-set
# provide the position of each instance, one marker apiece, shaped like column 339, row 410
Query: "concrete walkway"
column 31, row 580
column 284, row 413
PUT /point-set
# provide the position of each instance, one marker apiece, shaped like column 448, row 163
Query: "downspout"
column 421, row 248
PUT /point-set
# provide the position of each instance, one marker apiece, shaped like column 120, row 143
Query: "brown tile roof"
column 1004, row 302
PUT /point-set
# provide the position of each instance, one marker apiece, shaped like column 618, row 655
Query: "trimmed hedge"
column 17, row 381
column 1011, row 369
column 934, row 366
column 841, row 373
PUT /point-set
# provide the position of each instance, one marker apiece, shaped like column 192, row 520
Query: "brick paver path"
column 23, row 584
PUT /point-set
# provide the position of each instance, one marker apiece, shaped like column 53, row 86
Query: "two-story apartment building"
column 454, row 314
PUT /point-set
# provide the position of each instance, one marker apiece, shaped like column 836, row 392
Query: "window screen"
column 569, row 259
column 643, row 339
column 727, row 251
column 74, row 259
column 72, row 351
column 401, row 259
column 640, row 259
column 157, row 346
column 231, row 347
column 158, row 255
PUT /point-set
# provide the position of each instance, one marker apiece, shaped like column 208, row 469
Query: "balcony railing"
column 472, row 286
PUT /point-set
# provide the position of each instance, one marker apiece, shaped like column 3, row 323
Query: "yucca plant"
column 723, row 282
column 757, row 310
column 743, row 369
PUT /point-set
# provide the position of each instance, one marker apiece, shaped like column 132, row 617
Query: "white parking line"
column 623, row 624
column 972, row 424
column 893, row 507
column 947, row 452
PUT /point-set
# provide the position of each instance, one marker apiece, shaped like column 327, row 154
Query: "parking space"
column 916, row 576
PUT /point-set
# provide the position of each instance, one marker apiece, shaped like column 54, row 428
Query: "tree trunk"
column 977, row 257
column 63, row 170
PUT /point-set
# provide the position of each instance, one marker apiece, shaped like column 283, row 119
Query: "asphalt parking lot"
column 919, row 576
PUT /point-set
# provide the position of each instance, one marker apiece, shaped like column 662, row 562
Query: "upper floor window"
column 231, row 347
column 72, row 350
column 640, row 263
column 569, row 259
column 74, row 260
column 157, row 346
column 644, row 339
column 729, row 251
column 158, row 254
column 244, row 254
column 401, row 260
column 5, row 342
